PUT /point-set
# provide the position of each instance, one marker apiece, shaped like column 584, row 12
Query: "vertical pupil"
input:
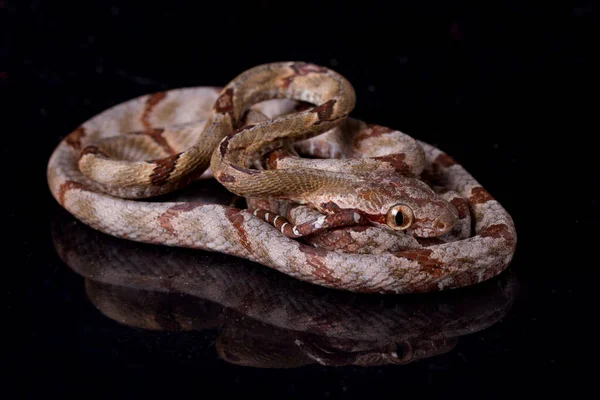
column 399, row 218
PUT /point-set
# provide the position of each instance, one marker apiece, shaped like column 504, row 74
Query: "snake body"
column 159, row 143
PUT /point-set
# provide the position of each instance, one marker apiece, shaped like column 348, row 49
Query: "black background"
column 504, row 88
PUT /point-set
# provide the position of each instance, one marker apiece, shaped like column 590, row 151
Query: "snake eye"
column 400, row 217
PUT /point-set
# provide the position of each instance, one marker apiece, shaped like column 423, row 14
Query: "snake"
column 330, row 200
column 265, row 319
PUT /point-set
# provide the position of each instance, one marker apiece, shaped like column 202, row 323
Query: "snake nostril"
column 441, row 226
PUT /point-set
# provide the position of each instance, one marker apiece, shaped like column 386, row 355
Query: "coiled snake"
column 371, row 210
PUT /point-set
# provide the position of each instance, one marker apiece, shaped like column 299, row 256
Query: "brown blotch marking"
column 416, row 255
column 224, row 103
column 237, row 219
column 480, row 196
column 325, row 110
column 314, row 258
column 445, row 160
column 499, row 231
column 301, row 69
column 223, row 177
column 432, row 241
column 462, row 206
column 223, row 146
column 276, row 155
column 150, row 104
column 162, row 171
column 378, row 130
column 65, row 187
column 432, row 269
column 371, row 131
column 165, row 219
column 428, row 264
column 156, row 135
column 74, row 138
column 396, row 161
column 92, row 150
column 338, row 239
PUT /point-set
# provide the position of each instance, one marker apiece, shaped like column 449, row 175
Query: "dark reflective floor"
column 501, row 87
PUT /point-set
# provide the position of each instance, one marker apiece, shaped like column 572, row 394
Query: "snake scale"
column 330, row 200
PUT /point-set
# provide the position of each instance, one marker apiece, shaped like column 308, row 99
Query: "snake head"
column 409, row 204
column 396, row 203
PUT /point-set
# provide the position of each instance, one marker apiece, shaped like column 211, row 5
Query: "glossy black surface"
column 490, row 85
